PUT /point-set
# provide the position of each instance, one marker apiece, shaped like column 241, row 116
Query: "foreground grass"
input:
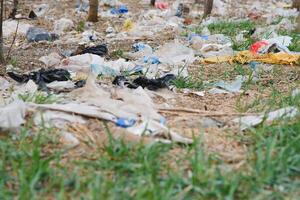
column 137, row 171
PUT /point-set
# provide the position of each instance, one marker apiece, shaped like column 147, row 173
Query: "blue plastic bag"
column 125, row 123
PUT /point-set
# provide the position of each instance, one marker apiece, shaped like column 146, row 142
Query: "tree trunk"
column 2, row 60
column 93, row 11
column 152, row 2
column 208, row 7
column 296, row 4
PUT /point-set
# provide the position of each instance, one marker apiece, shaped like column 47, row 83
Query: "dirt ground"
column 192, row 110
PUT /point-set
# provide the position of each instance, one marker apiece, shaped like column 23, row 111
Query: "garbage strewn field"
column 150, row 102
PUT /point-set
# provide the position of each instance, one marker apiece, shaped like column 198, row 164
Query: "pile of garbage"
column 76, row 76
column 126, row 104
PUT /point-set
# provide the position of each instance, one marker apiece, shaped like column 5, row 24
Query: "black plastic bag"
column 100, row 50
column 151, row 84
column 46, row 76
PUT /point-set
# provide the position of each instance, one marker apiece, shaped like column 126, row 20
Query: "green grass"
column 137, row 171
column 187, row 82
column 39, row 97
column 14, row 62
column 243, row 45
column 295, row 46
column 80, row 26
column 237, row 69
column 231, row 28
column 275, row 101
column 119, row 53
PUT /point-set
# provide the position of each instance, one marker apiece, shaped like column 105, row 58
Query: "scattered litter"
column 285, row 12
column 217, row 91
column 251, row 121
column 142, row 51
column 109, row 109
column 80, row 62
column 62, row 25
column 89, row 36
column 175, row 54
column 151, row 60
column 32, row 15
column 197, row 93
column 128, row 25
column 234, row 86
column 51, row 60
column 75, row 108
column 57, row 119
column 286, row 25
column 211, row 46
column 103, row 70
column 208, row 122
column 42, row 76
column 257, row 46
column 12, row 115
column 100, row 50
column 151, row 84
column 10, row 27
column 61, row 85
column 273, row 45
column 182, row 10
column 110, row 30
column 110, row 2
column 4, row 84
column 179, row 11
column 295, row 93
column 35, row 34
column 69, row 139
column 156, row 129
column 161, row 5
column 82, row 6
column 29, row 88
column 125, row 123
column 135, row 91
column 247, row 57
column 118, row 11
column 41, row 9
column 141, row 47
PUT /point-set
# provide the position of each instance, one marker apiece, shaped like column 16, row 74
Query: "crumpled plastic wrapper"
column 244, row 57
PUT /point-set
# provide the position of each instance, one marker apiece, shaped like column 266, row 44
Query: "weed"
column 231, row 28
column 187, row 82
column 295, row 45
column 244, row 45
column 184, row 34
column 138, row 171
column 80, row 26
column 118, row 53
column 14, row 62
column 276, row 100
column 39, row 97
column 238, row 69
column 196, row 30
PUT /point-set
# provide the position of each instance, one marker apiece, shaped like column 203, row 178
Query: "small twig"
column 203, row 113
column 15, row 36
